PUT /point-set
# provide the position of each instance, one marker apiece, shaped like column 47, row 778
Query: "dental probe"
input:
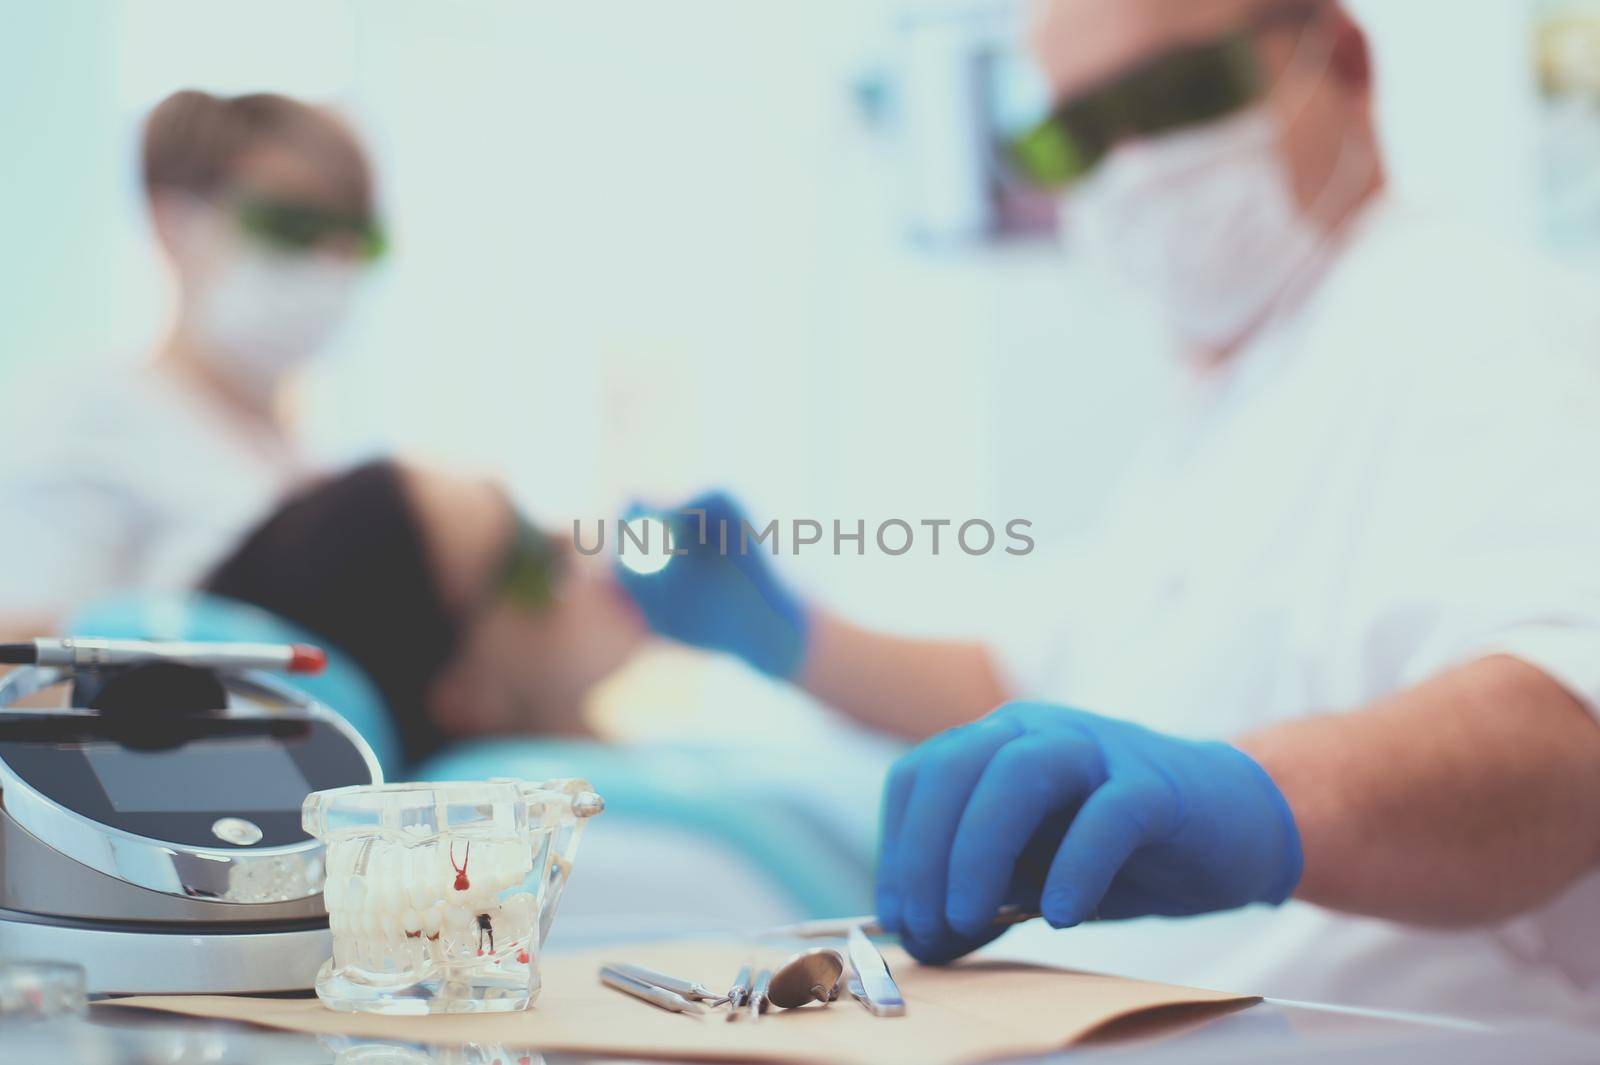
column 656, row 996
column 838, row 927
column 79, row 653
column 687, row 988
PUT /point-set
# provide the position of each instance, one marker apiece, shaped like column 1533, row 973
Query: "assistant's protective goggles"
column 301, row 227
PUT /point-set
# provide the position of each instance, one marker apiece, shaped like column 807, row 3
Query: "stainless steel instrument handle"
column 883, row 996
column 656, row 996
column 686, row 988
column 837, row 927
column 739, row 993
column 758, row 994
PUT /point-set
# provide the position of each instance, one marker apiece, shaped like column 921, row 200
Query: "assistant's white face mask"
column 1203, row 221
column 261, row 312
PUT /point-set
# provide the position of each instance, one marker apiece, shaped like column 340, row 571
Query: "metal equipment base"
column 160, row 959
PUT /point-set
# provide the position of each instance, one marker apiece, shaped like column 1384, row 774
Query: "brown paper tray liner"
column 972, row 1012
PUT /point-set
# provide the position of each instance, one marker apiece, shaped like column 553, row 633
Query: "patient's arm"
column 909, row 687
column 1464, row 800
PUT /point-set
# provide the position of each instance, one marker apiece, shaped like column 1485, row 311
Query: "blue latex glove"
column 722, row 601
column 1074, row 816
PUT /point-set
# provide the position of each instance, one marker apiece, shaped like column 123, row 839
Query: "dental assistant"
column 1335, row 653
column 263, row 207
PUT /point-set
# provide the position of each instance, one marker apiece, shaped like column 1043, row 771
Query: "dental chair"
column 709, row 838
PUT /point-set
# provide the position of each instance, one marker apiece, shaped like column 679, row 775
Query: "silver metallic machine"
column 150, row 813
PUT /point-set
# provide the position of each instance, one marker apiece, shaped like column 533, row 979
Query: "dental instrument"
column 739, row 993
column 687, row 988
column 656, row 996
column 757, row 1004
column 880, row 994
column 807, row 977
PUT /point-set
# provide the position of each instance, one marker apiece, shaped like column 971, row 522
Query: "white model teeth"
column 418, row 892
column 396, row 905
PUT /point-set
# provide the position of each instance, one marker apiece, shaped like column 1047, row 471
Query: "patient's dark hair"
column 346, row 559
column 194, row 141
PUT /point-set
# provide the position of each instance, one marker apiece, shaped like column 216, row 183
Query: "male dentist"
column 1340, row 635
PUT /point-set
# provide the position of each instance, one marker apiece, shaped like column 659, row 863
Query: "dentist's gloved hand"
column 722, row 600
column 1074, row 816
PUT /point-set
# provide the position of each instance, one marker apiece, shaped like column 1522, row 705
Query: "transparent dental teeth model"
column 440, row 896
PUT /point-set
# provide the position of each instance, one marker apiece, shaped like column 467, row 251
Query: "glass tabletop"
column 1267, row 1032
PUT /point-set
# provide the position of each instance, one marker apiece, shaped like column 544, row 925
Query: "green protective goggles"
column 301, row 227
column 534, row 564
column 1188, row 87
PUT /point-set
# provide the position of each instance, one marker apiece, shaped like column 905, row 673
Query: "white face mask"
column 1203, row 221
column 262, row 312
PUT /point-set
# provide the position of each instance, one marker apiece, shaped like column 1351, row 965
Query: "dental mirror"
column 806, row 977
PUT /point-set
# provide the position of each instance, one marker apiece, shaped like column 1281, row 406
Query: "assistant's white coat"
column 123, row 479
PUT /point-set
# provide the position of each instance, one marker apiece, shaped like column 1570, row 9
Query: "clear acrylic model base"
column 440, row 896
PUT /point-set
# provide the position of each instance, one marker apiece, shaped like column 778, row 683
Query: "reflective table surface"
column 1268, row 1032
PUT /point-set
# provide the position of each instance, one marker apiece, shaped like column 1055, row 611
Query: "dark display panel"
column 204, row 774
column 170, row 782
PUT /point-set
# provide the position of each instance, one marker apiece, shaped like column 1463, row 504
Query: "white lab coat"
column 123, row 480
column 1400, row 475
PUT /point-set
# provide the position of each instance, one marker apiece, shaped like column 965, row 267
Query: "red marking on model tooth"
column 462, row 883
column 522, row 956
column 434, row 938
column 304, row 658
column 413, row 935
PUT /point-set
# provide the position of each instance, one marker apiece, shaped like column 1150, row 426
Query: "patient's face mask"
column 261, row 310
column 1204, row 221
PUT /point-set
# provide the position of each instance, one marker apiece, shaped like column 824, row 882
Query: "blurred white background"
column 643, row 248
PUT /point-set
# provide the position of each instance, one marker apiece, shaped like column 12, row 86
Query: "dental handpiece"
column 83, row 653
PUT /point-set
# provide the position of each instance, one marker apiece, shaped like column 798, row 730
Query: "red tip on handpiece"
column 304, row 658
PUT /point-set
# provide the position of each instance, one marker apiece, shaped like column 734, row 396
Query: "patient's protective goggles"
column 1188, row 86
column 302, row 227
column 530, row 575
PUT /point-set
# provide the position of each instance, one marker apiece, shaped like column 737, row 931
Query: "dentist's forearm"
column 1465, row 800
column 907, row 687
